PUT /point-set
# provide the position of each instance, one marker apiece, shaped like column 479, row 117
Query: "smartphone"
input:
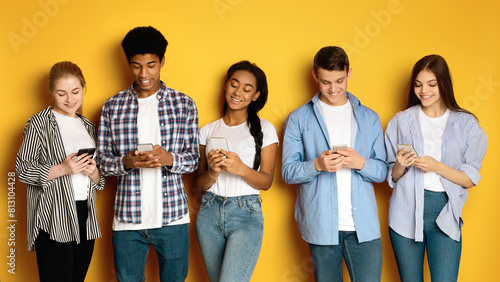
column 89, row 151
column 339, row 147
column 409, row 148
column 144, row 147
column 219, row 143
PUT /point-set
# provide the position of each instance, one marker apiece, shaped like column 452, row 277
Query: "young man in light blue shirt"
column 336, row 209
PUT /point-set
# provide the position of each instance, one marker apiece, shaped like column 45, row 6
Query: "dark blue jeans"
column 443, row 253
column 130, row 250
column 363, row 260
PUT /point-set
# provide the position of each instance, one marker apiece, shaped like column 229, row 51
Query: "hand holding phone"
column 409, row 148
column 339, row 147
column 219, row 143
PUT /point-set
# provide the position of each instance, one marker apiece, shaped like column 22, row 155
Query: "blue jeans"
column 363, row 260
column 230, row 234
column 443, row 253
column 130, row 250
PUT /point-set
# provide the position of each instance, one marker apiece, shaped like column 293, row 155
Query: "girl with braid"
column 230, row 221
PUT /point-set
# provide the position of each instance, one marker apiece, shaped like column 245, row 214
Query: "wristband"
column 209, row 174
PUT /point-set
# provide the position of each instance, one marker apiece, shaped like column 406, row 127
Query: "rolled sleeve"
column 391, row 148
column 102, row 181
column 474, row 152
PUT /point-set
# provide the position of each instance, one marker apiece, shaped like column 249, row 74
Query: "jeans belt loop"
column 211, row 197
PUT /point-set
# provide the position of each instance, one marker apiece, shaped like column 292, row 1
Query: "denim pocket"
column 205, row 201
column 253, row 206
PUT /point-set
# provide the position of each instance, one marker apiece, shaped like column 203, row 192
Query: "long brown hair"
column 438, row 66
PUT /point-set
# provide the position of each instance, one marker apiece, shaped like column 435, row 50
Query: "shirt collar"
column 352, row 99
column 159, row 94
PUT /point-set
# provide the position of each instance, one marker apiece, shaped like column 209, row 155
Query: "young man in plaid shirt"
column 151, row 204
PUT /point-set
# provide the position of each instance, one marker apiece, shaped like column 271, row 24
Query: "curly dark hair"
column 144, row 40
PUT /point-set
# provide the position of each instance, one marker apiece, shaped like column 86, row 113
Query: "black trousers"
column 65, row 261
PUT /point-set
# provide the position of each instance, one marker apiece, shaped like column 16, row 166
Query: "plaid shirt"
column 117, row 136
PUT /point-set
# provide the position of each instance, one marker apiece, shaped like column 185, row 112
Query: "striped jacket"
column 51, row 204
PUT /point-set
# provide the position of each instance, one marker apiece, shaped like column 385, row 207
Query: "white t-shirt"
column 241, row 142
column 338, row 123
column 148, row 126
column 75, row 136
column 433, row 131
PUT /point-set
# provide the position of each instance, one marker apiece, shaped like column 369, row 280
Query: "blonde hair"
column 65, row 69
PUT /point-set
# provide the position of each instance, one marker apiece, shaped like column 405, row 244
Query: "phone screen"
column 339, row 147
column 409, row 148
column 89, row 151
column 219, row 143
column 144, row 147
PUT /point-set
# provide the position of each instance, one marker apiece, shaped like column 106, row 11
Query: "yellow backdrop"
column 383, row 38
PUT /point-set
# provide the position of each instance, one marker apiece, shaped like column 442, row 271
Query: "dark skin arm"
column 219, row 160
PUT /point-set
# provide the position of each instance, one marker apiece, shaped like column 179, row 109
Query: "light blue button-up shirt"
column 316, row 209
column 463, row 148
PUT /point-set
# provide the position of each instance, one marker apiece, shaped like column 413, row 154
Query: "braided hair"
column 253, row 120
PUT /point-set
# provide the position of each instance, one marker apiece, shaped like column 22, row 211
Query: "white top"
column 338, row 123
column 432, row 132
column 241, row 142
column 75, row 136
column 148, row 126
